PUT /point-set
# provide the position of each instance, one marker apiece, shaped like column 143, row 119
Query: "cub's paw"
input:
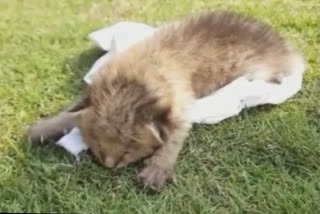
column 35, row 133
column 44, row 130
column 155, row 176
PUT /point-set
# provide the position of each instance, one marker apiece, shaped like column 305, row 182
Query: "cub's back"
column 203, row 53
column 219, row 28
column 212, row 49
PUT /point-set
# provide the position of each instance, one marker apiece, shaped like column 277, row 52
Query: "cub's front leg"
column 159, row 168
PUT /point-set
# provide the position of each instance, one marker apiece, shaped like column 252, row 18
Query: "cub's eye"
column 125, row 153
column 134, row 147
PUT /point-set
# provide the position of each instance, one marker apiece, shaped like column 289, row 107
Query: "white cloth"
column 116, row 39
column 226, row 102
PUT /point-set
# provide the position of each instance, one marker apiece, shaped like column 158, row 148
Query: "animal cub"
column 138, row 103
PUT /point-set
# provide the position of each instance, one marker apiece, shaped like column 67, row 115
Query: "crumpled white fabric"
column 226, row 102
column 116, row 39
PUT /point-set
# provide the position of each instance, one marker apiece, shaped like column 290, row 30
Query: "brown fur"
column 139, row 101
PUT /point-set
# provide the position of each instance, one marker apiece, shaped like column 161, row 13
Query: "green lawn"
column 264, row 161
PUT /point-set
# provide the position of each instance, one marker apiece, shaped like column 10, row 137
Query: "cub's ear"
column 161, row 126
column 159, row 135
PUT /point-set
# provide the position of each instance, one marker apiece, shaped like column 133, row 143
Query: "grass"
column 264, row 161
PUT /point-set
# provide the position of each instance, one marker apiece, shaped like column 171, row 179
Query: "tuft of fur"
column 138, row 103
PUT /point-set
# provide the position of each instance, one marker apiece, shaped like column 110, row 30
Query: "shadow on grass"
column 79, row 65
column 249, row 111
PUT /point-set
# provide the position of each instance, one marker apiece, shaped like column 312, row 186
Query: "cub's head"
column 124, row 122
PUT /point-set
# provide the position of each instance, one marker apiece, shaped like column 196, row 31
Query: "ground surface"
column 264, row 161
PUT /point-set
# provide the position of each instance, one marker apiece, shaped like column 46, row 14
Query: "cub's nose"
column 109, row 162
